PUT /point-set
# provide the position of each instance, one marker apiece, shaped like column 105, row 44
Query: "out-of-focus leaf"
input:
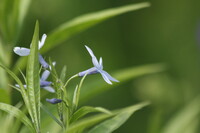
column 112, row 124
column 81, row 23
column 13, row 14
column 86, row 110
column 18, row 114
column 33, row 79
column 4, row 96
column 86, row 123
column 4, row 55
column 22, row 89
column 182, row 121
column 4, row 60
column 192, row 127
column 63, row 74
column 98, row 86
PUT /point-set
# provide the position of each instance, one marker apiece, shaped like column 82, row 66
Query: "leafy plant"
column 70, row 116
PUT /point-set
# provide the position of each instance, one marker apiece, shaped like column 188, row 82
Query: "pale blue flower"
column 54, row 100
column 46, row 84
column 98, row 68
column 43, row 82
column 21, row 51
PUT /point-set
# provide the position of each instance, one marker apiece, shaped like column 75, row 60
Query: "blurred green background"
column 167, row 32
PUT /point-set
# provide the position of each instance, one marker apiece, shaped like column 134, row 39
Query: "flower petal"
column 21, row 51
column 54, row 100
column 90, row 71
column 94, row 59
column 41, row 43
column 45, row 83
column 90, row 51
column 49, row 89
column 105, row 78
column 45, row 75
column 53, row 63
column 101, row 63
column 43, row 62
column 109, row 76
column 16, row 85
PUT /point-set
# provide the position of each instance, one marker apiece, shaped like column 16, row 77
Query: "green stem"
column 65, row 90
column 70, row 80
column 66, row 100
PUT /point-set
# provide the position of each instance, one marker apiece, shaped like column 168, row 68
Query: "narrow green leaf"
column 91, row 89
column 22, row 89
column 18, row 114
column 63, row 74
column 77, row 94
column 86, row 110
column 81, row 23
column 23, row 8
column 182, row 121
column 112, row 124
column 33, row 81
column 51, row 115
column 86, row 123
column 14, row 13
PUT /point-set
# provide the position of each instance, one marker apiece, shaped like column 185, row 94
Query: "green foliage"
column 22, row 89
column 4, row 96
column 185, row 120
column 112, row 124
column 33, row 81
column 68, row 29
column 12, row 18
column 51, row 115
column 18, row 114
column 79, row 24
column 159, row 43
column 85, row 110
column 123, row 76
column 117, row 118
column 76, row 95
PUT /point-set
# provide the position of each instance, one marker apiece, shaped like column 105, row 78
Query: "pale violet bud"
column 54, row 100
column 45, row 83
column 43, row 62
